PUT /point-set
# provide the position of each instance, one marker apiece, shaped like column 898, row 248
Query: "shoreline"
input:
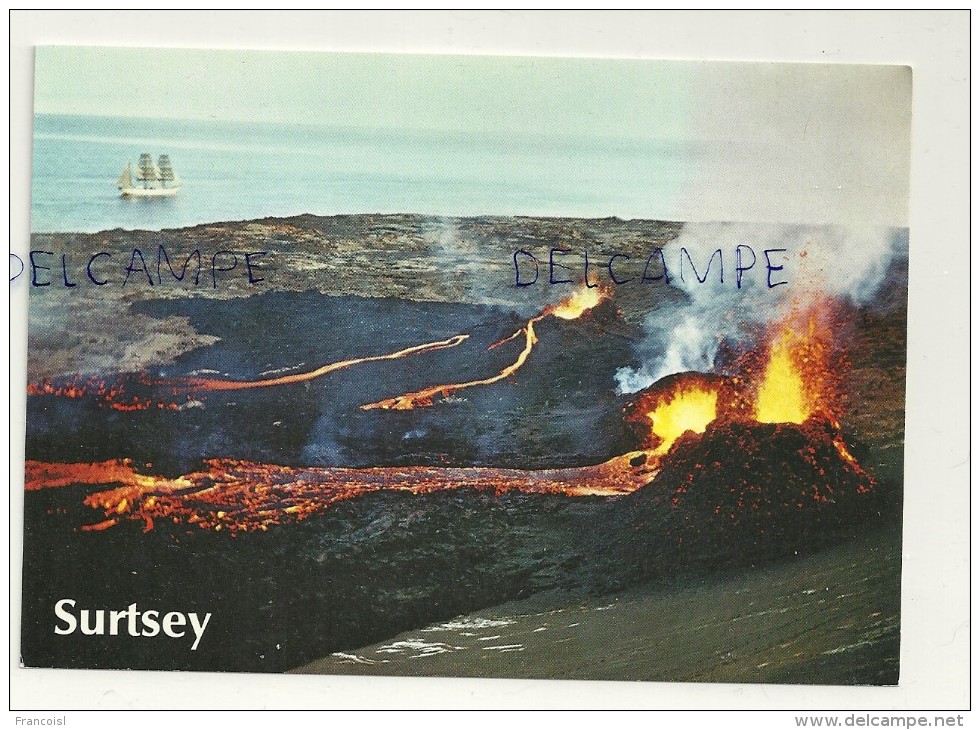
column 714, row 628
column 459, row 217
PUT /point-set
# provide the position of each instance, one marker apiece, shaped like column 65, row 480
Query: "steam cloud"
column 457, row 259
column 826, row 260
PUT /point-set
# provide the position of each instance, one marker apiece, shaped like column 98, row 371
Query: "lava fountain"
column 688, row 410
column 674, row 405
column 577, row 304
column 797, row 379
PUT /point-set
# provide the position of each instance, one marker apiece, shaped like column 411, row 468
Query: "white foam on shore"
column 470, row 623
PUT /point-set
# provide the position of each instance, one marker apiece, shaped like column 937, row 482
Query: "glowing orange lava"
column 790, row 382
column 573, row 307
column 782, row 398
column 580, row 302
column 76, row 388
column 688, row 409
column 42, row 475
column 427, row 396
column 240, row 496
column 577, row 304
column 796, row 378
column 106, row 394
column 677, row 404
column 115, row 395
column 207, row 384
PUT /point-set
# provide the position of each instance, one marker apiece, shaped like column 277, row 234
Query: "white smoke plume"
column 835, row 260
column 462, row 264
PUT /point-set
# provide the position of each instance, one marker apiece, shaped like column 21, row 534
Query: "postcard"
column 463, row 367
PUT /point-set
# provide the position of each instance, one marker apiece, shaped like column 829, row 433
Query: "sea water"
column 234, row 171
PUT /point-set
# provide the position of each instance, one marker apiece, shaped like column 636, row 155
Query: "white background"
column 936, row 567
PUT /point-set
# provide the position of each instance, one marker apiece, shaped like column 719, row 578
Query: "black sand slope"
column 828, row 617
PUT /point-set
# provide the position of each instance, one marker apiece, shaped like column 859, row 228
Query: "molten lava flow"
column 689, row 409
column 207, row 384
column 241, row 496
column 573, row 307
column 427, row 396
column 106, row 394
column 76, row 388
column 119, row 396
column 41, row 475
column 113, row 395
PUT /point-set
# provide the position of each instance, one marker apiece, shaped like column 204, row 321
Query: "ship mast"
column 166, row 170
column 147, row 172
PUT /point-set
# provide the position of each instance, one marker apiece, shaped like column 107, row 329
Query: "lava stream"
column 241, row 496
column 208, row 384
column 120, row 395
column 572, row 307
column 427, row 396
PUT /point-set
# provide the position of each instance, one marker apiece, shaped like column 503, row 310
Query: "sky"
column 374, row 90
column 815, row 142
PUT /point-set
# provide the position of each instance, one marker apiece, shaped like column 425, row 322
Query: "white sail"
column 126, row 179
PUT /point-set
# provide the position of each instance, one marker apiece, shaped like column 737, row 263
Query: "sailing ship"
column 149, row 180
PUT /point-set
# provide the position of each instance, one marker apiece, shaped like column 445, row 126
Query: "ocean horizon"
column 233, row 171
